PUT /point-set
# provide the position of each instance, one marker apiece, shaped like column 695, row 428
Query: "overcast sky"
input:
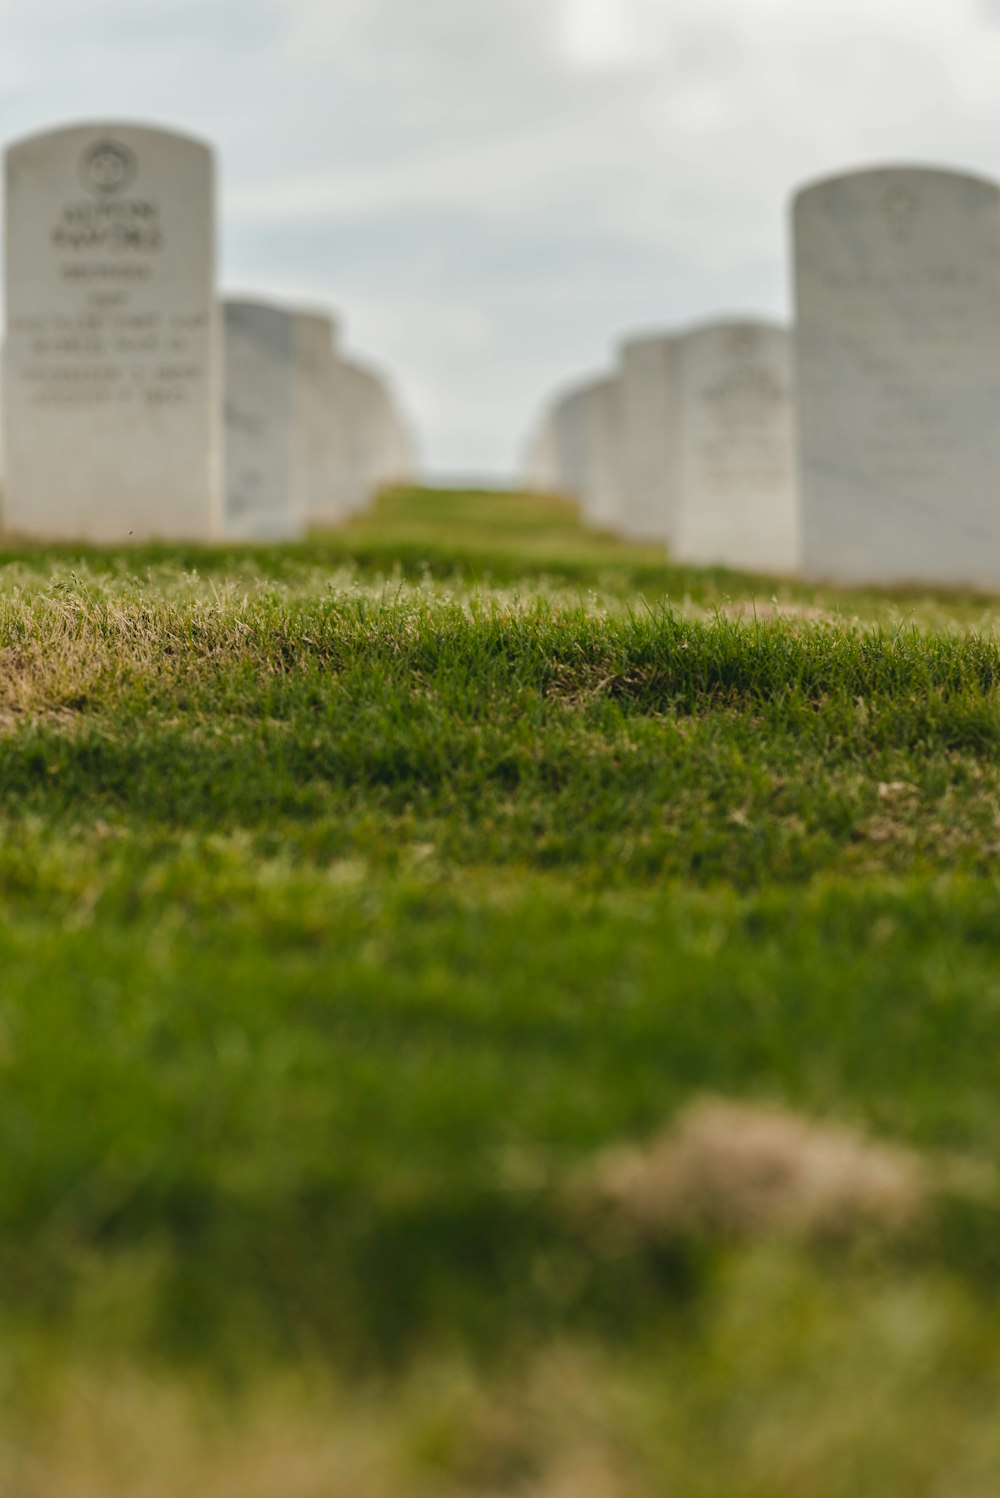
column 492, row 192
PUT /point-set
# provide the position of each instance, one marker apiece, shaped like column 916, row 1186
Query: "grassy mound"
column 360, row 901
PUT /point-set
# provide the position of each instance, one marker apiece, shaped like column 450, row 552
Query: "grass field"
column 485, row 1012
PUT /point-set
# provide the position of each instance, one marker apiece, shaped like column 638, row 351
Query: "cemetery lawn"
column 358, row 897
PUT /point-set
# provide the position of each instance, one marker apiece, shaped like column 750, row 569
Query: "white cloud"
column 604, row 33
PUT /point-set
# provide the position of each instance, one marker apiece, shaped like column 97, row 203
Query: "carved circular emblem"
column 107, row 167
column 901, row 208
column 743, row 343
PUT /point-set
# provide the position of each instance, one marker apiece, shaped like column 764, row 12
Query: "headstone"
column 736, row 479
column 389, row 464
column 650, row 415
column 601, row 483
column 897, row 276
column 372, row 422
column 260, row 394
column 363, row 404
column 569, row 450
column 112, row 371
column 539, row 463
column 402, row 447
column 373, row 448
column 320, row 422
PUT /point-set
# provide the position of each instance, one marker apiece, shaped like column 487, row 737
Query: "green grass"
column 355, row 895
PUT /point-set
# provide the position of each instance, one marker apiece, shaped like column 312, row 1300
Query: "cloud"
column 606, row 35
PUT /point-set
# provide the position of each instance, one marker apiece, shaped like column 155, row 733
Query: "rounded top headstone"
column 265, row 323
column 112, row 368
column 746, row 323
column 894, row 210
column 875, row 174
column 318, row 324
column 897, row 290
column 637, row 342
column 255, row 304
column 737, row 502
column 109, row 159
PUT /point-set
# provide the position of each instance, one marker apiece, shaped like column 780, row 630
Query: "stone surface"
column 568, row 449
column 366, row 457
column 602, row 487
column 401, row 448
column 260, row 395
column 737, row 504
column 392, row 458
column 319, row 423
column 650, row 417
column 352, row 433
column 112, row 370
column 586, row 449
column 539, row 462
column 897, row 276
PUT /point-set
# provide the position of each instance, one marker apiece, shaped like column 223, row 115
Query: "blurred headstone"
column 320, row 423
column 365, row 460
column 897, row 275
column 650, row 420
column 539, row 464
column 568, row 443
column 260, row 393
column 594, row 470
column 112, row 370
column 737, row 502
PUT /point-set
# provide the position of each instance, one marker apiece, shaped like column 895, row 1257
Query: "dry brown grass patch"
column 137, row 1438
column 45, row 679
column 133, row 1436
column 749, row 612
column 746, row 1171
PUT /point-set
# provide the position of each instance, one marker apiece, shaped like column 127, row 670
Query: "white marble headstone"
column 650, row 416
column 392, row 455
column 602, row 487
column 319, row 424
column 402, row 456
column 897, row 276
column 388, row 463
column 539, row 462
column 391, row 460
column 737, row 481
column 569, row 454
column 365, row 457
column 260, row 375
column 112, row 371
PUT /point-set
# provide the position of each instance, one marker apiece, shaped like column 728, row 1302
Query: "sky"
column 491, row 194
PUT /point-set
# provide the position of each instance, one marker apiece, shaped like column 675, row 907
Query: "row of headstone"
column 133, row 405
column 690, row 443
column 309, row 434
column 861, row 446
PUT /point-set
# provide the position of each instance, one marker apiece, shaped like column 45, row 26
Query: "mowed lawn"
column 401, row 935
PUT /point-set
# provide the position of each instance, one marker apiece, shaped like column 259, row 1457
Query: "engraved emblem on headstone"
column 900, row 209
column 743, row 343
column 107, row 168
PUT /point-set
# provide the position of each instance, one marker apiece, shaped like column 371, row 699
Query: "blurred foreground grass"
column 357, row 897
